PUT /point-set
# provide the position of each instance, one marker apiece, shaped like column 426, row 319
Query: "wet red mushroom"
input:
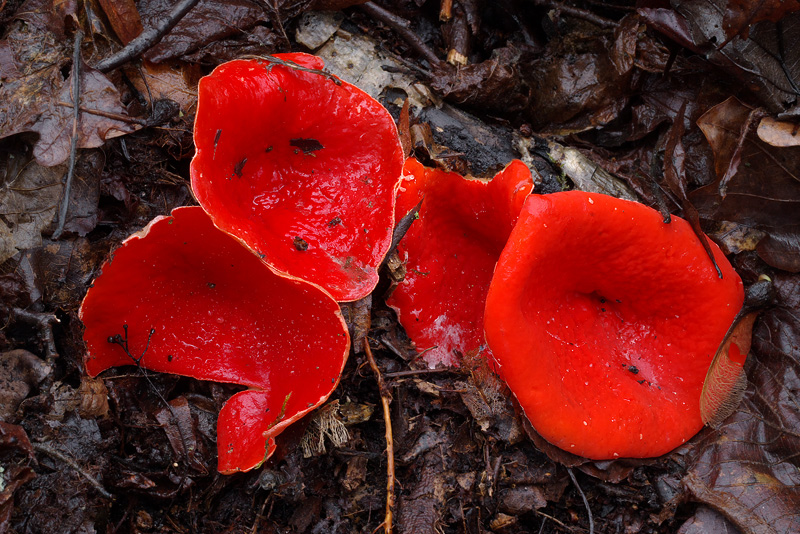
column 301, row 167
column 605, row 321
column 183, row 297
column 450, row 253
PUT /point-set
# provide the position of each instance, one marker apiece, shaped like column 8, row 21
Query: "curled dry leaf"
column 192, row 301
column 726, row 380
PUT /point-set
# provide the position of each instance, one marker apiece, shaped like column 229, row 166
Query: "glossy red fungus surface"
column 211, row 310
column 605, row 321
column 450, row 253
column 301, row 167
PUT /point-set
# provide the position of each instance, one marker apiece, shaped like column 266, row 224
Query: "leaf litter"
column 461, row 464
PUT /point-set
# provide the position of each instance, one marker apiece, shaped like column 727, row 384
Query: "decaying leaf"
column 37, row 98
column 20, row 373
column 757, row 184
column 28, row 203
column 748, row 469
column 326, row 425
column 764, row 60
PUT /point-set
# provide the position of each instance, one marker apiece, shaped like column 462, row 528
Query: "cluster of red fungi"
column 602, row 319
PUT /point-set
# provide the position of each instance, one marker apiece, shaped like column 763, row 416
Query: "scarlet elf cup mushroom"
column 450, row 253
column 188, row 299
column 605, row 320
column 301, row 167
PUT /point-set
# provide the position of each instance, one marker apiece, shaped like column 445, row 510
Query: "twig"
column 403, row 27
column 260, row 515
column 41, row 447
column 405, row 223
column 585, row 500
column 147, row 38
column 108, row 114
column 73, row 147
column 289, row 64
column 579, row 13
column 386, row 399
column 556, row 521
column 122, row 341
column 45, row 322
column 416, row 372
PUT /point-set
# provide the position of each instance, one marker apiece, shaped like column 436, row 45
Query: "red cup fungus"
column 605, row 321
column 301, row 167
column 450, row 253
column 194, row 302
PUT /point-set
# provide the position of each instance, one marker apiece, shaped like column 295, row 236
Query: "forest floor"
column 691, row 107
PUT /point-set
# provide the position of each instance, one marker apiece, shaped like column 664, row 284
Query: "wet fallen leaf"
column 37, row 97
column 208, row 22
column 124, row 18
column 757, row 184
column 748, row 470
column 707, row 520
column 28, row 203
column 493, row 85
column 20, row 373
column 575, row 86
column 741, row 14
column 14, row 444
column 767, row 65
column 781, row 249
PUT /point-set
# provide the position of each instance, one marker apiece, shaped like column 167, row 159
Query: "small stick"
column 45, row 322
column 585, row 500
column 417, row 372
column 289, row 64
column 401, row 26
column 41, row 447
column 147, row 38
column 446, row 10
column 579, row 13
column 108, row 114
column 403, row 226
column 122, row 341
column 73, row 147
column 386, row 399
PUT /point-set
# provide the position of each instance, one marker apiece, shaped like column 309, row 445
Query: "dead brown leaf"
column 20, row 373
column 14, row 444
column 749, row 469
column 757, row 184
column 124, row 18
column 493, row 85
column 741, row 14
column 781, row 249
column 37, row 98
column 765, row 60
column 210, row 22
column 575, row 86
column 28, row 202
